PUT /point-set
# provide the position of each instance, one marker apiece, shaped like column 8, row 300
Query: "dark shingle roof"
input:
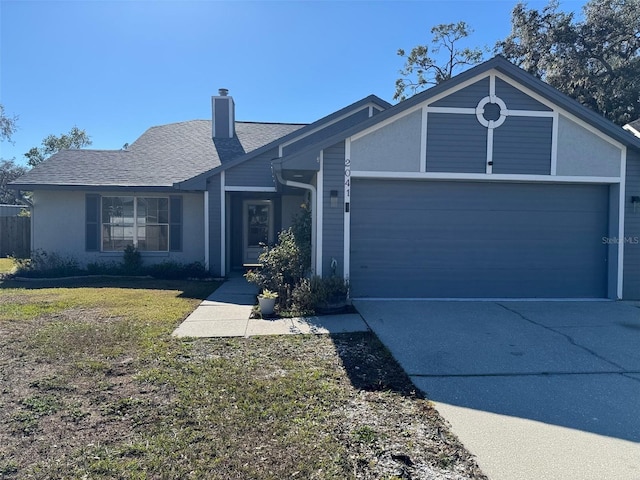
column 162, row 156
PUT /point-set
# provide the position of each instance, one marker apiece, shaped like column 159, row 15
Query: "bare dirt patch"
column 105, row 392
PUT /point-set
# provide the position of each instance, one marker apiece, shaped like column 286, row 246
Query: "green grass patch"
column 92, row 372
column 6, row 265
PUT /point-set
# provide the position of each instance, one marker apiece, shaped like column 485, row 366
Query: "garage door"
column 492, row 240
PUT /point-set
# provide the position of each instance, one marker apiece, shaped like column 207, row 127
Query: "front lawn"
column 93, row 386
column 6, row 265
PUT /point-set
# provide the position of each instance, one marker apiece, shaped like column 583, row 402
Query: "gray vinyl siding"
column 328, row 131
column 467, row 97
column 456, row 143
column 394, row 147
column 213, row 190
column 631, row 278
column 478, row 239
column 333, row 218
column 253, row 173
column 516, row 99
column 522, row 145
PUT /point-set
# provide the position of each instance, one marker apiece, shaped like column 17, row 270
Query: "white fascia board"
column 557, row 108
column 238, row 188
column 621, row 214
column 367, row 106
column 554, row 143
column 319, row 213
column 495, row 177
column 223, row 224
column 629, row 128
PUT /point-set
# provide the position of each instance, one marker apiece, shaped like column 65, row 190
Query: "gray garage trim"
column 412, row 239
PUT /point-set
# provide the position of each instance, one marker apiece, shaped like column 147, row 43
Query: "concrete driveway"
column 536, row 390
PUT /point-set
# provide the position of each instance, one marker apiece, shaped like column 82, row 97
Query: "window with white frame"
column 139, row 221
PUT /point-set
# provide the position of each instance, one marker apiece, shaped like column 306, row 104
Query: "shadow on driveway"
column 574, row 365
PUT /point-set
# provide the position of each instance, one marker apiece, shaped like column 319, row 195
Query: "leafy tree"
column 76, row 138
column 7, row 125
column 424, row 65
column 595, row 60
column 9, row 172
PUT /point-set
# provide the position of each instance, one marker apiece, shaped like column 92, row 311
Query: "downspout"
column 312, row 189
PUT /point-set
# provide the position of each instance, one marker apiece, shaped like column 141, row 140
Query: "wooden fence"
column 15, row 236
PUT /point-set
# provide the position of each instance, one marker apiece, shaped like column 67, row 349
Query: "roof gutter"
column 277, row 170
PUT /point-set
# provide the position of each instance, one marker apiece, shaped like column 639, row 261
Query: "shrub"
column 317, row 294
column 287, row 263
column 104, row 268
column 169, row 270
column 43, row 264
column 132, row 260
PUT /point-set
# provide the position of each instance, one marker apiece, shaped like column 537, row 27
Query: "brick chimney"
column 223, row 115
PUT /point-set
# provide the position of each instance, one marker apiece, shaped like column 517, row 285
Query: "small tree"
column 8, row 125
column 9, row 172
column 425, row 66
column 75, row 139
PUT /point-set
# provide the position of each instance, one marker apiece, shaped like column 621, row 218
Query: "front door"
column 258, row 228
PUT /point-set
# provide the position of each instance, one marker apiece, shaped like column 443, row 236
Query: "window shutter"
column 92, row 223
column 175, row 224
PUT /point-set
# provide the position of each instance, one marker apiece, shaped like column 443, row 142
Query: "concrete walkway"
column 225, row 313
column 536, row 390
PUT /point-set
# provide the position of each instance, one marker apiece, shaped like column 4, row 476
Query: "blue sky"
column 116, row 68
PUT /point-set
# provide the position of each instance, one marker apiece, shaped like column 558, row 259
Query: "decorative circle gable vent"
column 491, row 111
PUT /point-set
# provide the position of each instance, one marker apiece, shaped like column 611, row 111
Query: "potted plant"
column 267, row 300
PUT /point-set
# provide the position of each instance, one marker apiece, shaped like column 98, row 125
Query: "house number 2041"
column 347, row 179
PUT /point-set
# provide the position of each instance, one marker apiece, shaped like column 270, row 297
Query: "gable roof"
column 198, row 181
column 162, row 156
column 502, row 65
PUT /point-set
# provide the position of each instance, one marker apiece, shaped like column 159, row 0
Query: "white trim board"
column 206, row 229
column 483, row 177
column 237, row 188
column 621, row 214
column 223, row 229
column 346, row 255
column 319, row 214
column 632, row 130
